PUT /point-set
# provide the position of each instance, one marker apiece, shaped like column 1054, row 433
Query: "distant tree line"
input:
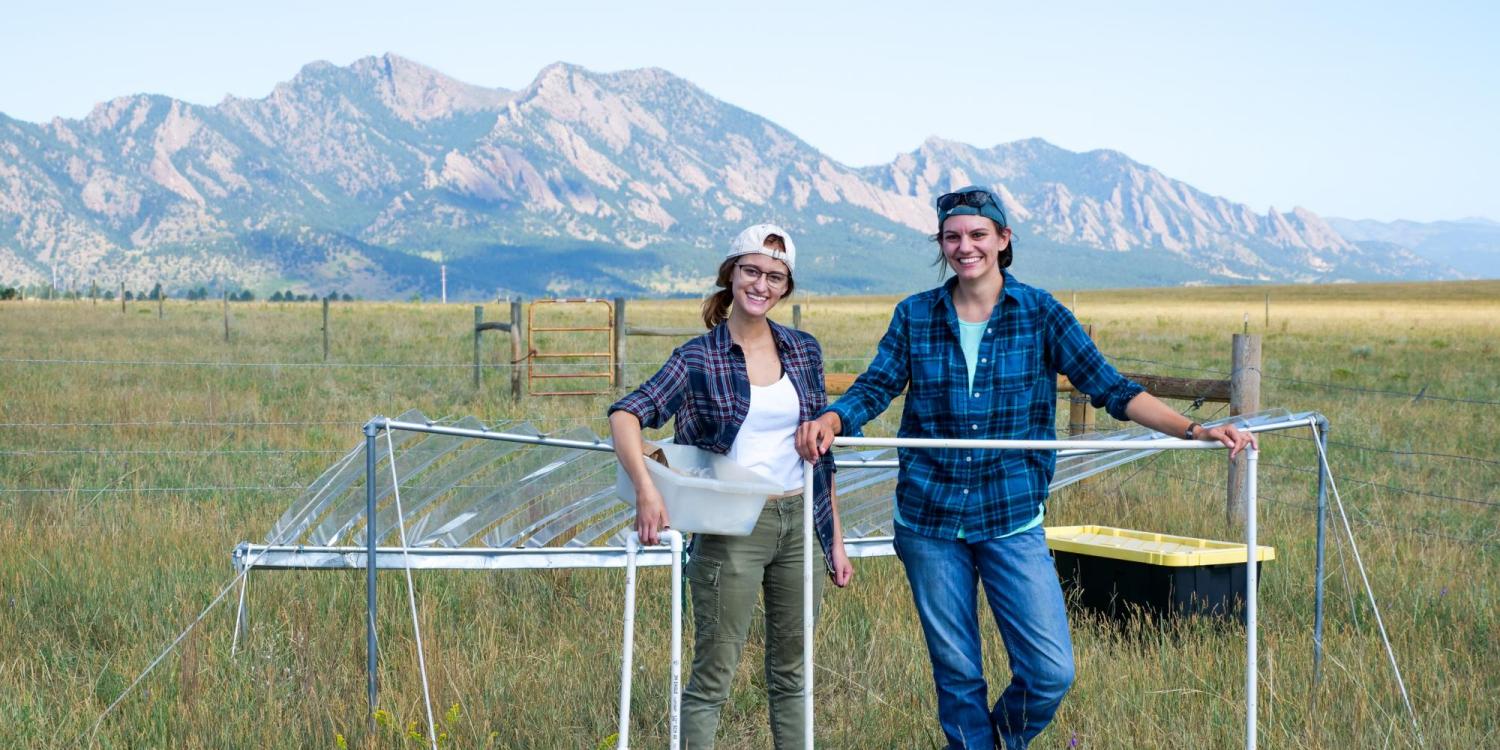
column 290, row 296
column 200, row 293
column 45, row 291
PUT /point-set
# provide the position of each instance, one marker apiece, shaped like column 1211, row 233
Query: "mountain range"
column 363, row 179
column 1469, row 246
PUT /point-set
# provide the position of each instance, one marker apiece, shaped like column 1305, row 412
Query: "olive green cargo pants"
column 726, row 574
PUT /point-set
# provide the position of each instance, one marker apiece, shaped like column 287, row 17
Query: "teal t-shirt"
column 969, row 336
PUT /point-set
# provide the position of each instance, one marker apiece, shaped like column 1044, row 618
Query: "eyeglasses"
column 752, row 274
column 972, row 198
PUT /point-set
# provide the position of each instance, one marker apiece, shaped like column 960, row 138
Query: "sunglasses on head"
column 971, row 198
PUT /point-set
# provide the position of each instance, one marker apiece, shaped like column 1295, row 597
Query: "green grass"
column 98, row 578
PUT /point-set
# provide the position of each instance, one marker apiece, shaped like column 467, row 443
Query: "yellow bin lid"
column 1149, row 547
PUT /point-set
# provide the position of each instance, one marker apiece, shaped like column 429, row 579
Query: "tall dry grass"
column 108, row 565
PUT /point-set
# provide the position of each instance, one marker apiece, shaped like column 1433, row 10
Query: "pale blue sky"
column 1350, row 109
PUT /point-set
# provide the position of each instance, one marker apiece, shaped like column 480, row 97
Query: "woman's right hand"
column 650, row 514
column 815, row 436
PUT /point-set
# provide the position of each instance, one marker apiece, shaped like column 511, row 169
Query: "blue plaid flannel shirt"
column 1031, row 337
column 705, row 386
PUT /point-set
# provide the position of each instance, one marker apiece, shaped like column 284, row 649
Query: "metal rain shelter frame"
column 468, row 496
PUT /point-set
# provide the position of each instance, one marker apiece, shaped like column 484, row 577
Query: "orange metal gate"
column 590, row 333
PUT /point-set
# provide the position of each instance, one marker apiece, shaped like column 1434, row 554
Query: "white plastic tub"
column 704, row 492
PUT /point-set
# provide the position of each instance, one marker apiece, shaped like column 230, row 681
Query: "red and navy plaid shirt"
column 704, row 385
column 1030, row 338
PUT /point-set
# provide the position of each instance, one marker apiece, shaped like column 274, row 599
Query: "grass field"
column 135, row 452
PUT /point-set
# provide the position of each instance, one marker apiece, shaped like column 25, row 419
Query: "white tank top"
column 767, row 441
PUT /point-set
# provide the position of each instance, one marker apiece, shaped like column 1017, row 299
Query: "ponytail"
column 716, row 308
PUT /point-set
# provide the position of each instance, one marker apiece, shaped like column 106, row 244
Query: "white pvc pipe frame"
column 1252, row 458
column 673, row 539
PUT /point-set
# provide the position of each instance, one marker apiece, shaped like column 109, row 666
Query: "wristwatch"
column 1188, row 433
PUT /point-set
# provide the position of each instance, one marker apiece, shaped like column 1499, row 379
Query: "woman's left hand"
column 843, row 570
column 1232, row 438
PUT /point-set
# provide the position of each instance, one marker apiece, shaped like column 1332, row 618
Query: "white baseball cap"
column 753, row 240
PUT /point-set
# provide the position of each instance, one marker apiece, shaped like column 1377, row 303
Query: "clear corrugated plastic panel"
column 318, row 496
column 345, row 524
column 1072, row 469
column 427, row 469
column 341, row 501
column 866, row 495
column 553, row 484
column 457, row 490
column 595, row 489
column 495, row 466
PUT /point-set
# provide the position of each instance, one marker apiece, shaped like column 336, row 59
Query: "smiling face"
column 756, row 296
column 972, row 246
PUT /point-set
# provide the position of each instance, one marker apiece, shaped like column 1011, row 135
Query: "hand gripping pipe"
column 632, row 547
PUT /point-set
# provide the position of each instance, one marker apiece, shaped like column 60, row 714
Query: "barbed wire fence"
column 1405, row 453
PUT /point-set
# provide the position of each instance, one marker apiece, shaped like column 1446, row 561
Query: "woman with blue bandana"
column 979, row 358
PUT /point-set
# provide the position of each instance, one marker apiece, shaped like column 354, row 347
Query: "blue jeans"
column 1021, row 585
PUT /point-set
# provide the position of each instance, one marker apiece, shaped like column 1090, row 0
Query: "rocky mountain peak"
column 123, row 113
column 417, row 93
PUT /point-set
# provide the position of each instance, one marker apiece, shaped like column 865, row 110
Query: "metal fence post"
column 1319, row 563
column 370, row 564
column 478, row 320
column 619, row 343
column 517, row 383
column 1244, row 398
column 1080, row 416
column 325, row 329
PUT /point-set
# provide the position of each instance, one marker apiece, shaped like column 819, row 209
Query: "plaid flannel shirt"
column 704, row 385
column 1030, row 338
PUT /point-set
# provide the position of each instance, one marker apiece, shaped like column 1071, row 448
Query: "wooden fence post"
column 478, row 319
column 226, row 316
column 619, row 343
column 122, row 296
column 797, row 316
column 1244, row 398
column 517, row 383
column 1080, row 416
column 325, row 329
column 160, row 303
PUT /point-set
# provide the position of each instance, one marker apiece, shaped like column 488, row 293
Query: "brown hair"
column 716, row 306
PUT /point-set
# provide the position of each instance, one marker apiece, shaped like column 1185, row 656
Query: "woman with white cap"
column 742, row 389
